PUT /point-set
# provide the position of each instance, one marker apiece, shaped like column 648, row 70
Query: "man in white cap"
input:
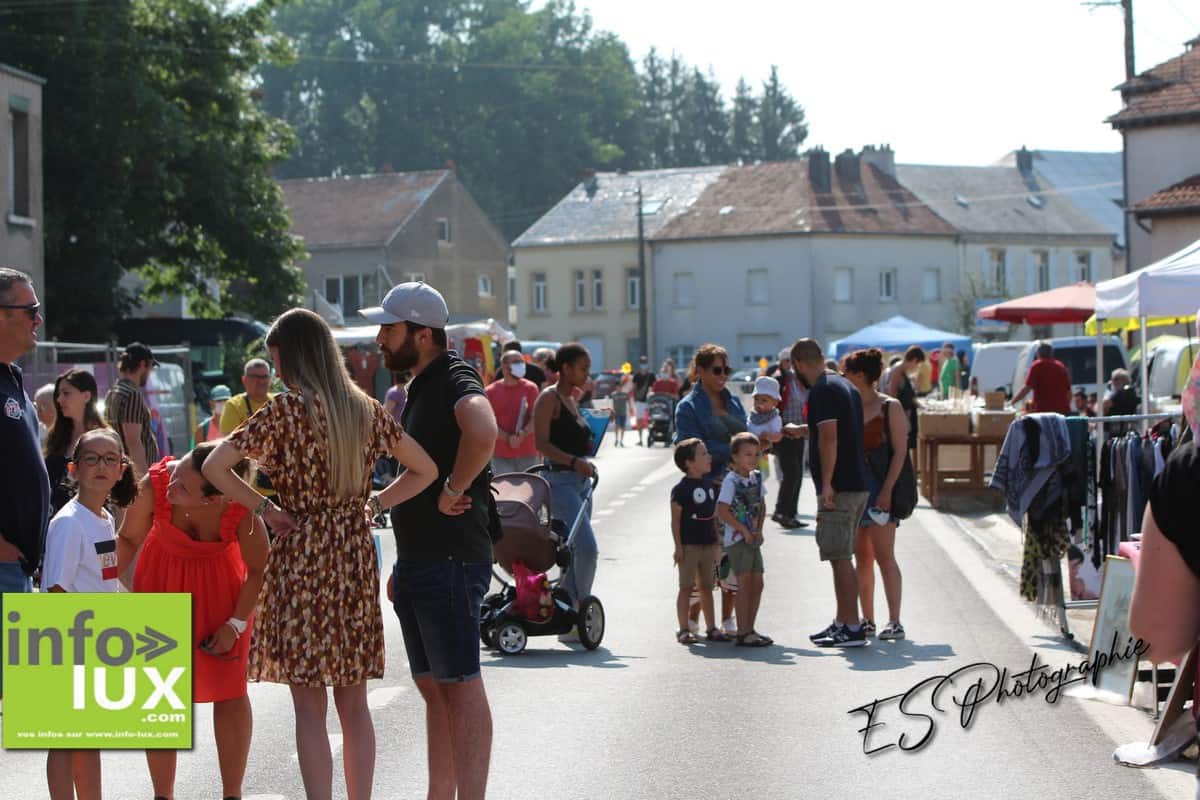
column 443, row 540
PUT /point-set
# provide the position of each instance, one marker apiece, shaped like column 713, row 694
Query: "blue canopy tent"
column 897, row 334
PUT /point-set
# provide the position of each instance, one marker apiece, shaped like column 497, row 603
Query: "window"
column 685, row 285
column 887, row 286
column 633, row 289
column 998, row 270
column 1083, row 266
column 580, row 291
column 413, row 277
column 443, row 230
column 485, row 286
column 843, row 285
column 345, row 292
column 1041, row 269
column 333, row 290
column 931, row 286
column 758, row 289
column 539, row 292
column 597, row 288
column 633, row 349
column 18, row 159
column 370, row 289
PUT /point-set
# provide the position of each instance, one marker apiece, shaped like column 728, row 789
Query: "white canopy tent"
column 1167, row 288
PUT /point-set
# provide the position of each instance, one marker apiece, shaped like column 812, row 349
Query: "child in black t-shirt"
column 693, row 524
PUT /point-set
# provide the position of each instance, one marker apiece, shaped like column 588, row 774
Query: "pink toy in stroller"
column 534, row 543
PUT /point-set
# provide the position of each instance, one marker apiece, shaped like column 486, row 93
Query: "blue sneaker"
column 844, row 637
column 825, row 634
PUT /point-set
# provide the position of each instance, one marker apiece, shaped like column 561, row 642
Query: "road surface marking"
column 604, row 512
column 660, row 474
column 379, row 698
column 616, row 503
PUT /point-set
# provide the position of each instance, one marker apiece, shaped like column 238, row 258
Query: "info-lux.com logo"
column 107, row 671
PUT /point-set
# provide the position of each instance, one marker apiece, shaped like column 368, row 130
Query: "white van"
column 993, row 366
column 1078, row 354
column 1171, row 359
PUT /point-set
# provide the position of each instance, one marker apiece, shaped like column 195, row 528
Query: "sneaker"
column 729, row 627
column 825, row 634
column 794, row 522
column 779, row 519
column 844, row 637
column 868, row 627
column 894, row 630
column 693, row 626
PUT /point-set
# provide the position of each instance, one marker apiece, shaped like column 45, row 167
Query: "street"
column 644, row 717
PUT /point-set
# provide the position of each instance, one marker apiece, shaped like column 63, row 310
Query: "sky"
column 941, row 81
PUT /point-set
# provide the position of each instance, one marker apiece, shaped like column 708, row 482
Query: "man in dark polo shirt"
column 835, row 430
column 24, row 486
column 443, row 548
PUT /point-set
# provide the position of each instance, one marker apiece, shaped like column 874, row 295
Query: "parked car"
column 743, row 381
column 1171, row 359
column 1078, row 354
column 166, row 394
column 993, row 366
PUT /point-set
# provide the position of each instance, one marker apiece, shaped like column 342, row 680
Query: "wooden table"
column 935, row 483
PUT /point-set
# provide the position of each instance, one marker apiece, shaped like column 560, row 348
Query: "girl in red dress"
column 197, row 541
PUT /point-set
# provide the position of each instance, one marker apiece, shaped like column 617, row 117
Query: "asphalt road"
column 644, row 717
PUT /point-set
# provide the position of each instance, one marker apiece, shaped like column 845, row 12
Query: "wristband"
column 263, row 507
column 448, row 489
column 376, row 505
column 239, row 625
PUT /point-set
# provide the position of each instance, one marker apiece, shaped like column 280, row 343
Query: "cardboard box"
column 994, row 401
column 993, row 423
column 951, row 424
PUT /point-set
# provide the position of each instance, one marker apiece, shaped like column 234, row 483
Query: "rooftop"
column 1165, row 93
column 1181, row 198
column 362, row 210
column 1092, row 181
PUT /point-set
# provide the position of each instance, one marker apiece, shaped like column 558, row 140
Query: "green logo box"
column 97, row 671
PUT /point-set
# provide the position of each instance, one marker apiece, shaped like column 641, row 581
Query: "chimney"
column 882, row 157
column 846, row 166
column 590, row 184
column 1025, row 161
column 818, row 170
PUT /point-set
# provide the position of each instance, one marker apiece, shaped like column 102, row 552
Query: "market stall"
column 897, row 334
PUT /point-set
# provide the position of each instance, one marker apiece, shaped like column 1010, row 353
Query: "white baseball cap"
column 767, row 386
column 416, row 302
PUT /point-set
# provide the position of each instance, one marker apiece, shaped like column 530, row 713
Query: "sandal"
column 753, row 639
column 686, row 637
column 718, row 635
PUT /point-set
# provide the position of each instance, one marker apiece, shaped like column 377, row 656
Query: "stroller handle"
column 538, row 468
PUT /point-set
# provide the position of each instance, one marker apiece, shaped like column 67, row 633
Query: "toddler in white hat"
column 765, row 421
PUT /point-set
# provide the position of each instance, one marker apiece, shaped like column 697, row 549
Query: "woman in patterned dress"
column 318, row 622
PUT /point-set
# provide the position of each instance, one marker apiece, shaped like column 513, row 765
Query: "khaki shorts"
column 699, row 566
column 744, row 557
column 837, row 528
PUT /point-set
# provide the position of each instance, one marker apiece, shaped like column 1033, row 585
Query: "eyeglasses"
column 32, row 309
column 258, row 376
column 721, row 370
column 94, row 459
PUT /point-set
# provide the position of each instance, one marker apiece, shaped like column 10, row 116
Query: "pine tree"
column 711, row 120
column 744, row 128
column 781, row 121
column 656, row 112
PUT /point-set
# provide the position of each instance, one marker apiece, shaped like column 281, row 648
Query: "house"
column 1160, row 126
column 366, row 233
column 576, row 268
column 772, row 252
column 1094, row 182
column 1017, row 233
column 21, row 234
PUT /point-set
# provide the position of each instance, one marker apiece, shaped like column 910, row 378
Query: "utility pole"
column 1127, row 10
column 643, row 331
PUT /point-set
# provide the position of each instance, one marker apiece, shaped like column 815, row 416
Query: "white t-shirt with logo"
column 81, row 551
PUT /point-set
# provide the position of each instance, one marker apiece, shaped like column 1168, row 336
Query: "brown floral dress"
column 318, row 621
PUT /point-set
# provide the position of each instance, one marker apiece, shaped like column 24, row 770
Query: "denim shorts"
column 12, row 579
column 438, row 603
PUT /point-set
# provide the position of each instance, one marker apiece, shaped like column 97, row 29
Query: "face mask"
column 219, row 408
column 517, row 369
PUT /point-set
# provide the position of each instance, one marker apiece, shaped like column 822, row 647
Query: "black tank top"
column 570, row 432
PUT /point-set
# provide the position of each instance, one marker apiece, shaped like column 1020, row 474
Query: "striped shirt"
column 793, row 411
column 126, row 403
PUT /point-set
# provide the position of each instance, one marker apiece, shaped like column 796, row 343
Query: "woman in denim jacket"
column 710, row 412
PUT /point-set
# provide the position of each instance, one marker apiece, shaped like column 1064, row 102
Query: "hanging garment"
column 1033, row 448
column 1046, row 541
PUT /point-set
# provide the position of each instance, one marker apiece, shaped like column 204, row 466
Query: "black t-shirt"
column 835, row 398
column 1124, row 401
column 25, row 503
column 423, row 533
column 1172, row 501
column 698, row 498
column 642, row 381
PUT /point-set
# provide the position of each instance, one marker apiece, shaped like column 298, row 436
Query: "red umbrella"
column 1066, row 304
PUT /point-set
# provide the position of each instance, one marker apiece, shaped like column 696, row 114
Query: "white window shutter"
column 1030, row 274
column 1053, row 268
column 984, row 278
column 1010, row 278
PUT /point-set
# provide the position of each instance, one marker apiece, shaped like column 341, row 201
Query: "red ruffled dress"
column 213, row 573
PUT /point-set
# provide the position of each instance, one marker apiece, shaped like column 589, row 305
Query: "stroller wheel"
column 511, row 638
column 591, row 622
column 487, row 636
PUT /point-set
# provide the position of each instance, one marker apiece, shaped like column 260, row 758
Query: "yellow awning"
column 1132, row 324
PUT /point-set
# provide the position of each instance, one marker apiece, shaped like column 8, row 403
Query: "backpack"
column 904, row 493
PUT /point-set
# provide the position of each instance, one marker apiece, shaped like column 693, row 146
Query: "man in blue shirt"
column 835, row 426
column 25, row 487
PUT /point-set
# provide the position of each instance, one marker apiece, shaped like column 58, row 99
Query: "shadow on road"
column 777, row 654
column 883, row 656
column 533, row 658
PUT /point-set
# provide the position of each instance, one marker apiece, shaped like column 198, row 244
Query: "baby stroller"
column 661, row 410
column 534, row 543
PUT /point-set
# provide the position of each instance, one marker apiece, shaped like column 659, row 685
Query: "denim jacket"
column 694, row 419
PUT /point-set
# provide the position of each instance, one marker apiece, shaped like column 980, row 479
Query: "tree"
column 711, row 123
column 782, row 129
column 744, row 138
column 656, row 112
column 156, row 158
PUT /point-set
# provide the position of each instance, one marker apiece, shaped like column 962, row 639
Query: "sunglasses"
column 721, row 370
column 32, row 309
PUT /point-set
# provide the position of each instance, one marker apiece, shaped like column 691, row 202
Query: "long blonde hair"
column 309, row 360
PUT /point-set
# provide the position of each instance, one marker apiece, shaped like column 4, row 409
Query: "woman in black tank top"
column 565, row 440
